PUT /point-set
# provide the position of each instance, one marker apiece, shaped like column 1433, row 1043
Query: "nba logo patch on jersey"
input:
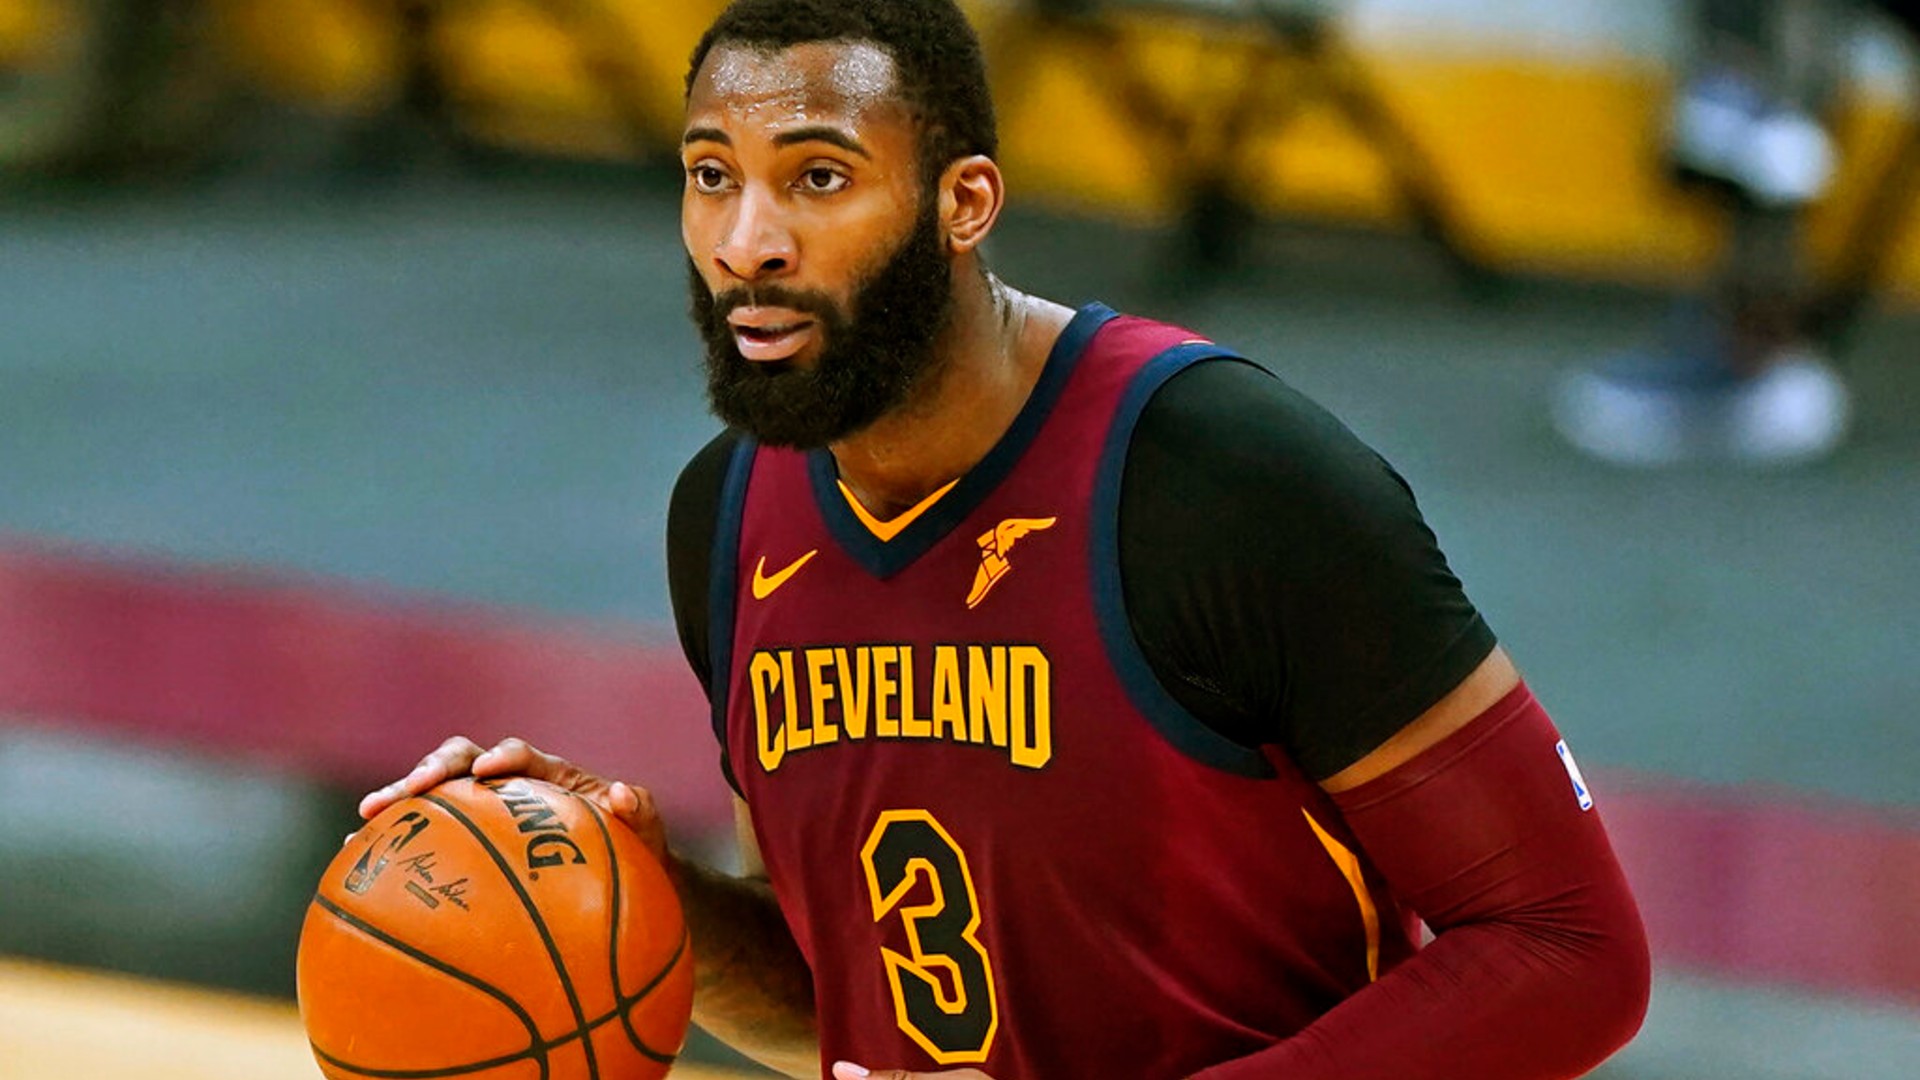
column 1580, row 790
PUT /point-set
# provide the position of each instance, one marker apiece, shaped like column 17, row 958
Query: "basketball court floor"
column 472, row 398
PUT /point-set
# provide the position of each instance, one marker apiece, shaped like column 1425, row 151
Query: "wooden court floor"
column 60, row 1023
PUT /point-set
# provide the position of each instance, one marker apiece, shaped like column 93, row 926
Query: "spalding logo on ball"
column 497, row 929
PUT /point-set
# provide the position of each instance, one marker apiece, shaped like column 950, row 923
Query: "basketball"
column 498, row 929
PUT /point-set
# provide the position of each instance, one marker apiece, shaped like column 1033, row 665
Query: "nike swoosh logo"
column 763, row 585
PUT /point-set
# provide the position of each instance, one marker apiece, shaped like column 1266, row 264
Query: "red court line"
column 352, row 685
column 341, row 682
column 1773, row 886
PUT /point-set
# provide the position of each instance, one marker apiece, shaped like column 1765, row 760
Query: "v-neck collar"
column 884, row 558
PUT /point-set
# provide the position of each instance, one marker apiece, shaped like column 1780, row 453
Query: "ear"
column 972, row 191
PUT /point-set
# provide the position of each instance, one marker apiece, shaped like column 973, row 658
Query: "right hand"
column 461, row 756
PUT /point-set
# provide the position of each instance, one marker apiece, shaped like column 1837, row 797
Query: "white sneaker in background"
column 1726, row 127
column 1797, row 409
column 1651, row 410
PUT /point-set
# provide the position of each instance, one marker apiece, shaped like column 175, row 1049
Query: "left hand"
column 847, row 1070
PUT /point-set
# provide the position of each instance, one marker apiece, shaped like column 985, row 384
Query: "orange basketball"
column 500, row 929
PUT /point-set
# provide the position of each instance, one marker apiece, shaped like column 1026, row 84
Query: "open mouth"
column 764, row 338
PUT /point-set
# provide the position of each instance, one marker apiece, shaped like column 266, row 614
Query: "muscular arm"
column 1390, row 692
column 752, row 989
column 1539, row 968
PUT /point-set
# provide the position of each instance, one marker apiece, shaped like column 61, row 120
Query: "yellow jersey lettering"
column 799, row 734
column 763, row 674
column 855, row 685
column 886, row 689
column 986, row 694
column 820, row 691
column 1030, row 684
column 911, row 726
column 949, row 713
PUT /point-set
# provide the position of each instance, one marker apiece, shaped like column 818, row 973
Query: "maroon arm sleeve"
column 1538, row 968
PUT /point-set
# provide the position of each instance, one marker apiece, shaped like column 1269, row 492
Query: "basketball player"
column 1098, row 705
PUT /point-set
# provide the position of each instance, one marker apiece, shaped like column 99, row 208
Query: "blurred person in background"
column 1741, row 373
column 1097, row 704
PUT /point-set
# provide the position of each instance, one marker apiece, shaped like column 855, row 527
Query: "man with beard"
column 1098, row 706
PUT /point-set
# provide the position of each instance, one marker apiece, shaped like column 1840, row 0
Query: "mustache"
column 806, row 302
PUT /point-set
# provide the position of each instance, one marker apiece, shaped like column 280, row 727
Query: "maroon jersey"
column 998, row 841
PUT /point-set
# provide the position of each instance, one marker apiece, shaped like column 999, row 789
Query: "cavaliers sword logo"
column 994, row 546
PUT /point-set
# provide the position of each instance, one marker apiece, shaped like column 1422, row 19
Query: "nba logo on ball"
column 1573, row 773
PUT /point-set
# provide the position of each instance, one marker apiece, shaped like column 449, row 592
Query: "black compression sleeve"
column 1278, row 573
column 692, row 515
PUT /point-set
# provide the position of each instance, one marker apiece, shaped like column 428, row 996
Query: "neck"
column 996, row 342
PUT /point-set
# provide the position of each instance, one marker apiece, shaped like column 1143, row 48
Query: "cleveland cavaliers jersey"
column 997, row 840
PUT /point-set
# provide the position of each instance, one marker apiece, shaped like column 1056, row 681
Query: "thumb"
column 623, row 801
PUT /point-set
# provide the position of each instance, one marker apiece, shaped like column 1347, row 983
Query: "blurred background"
column 344, row 373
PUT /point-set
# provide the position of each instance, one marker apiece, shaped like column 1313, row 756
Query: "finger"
column 514, row 756
column 631, row 806
column 634, row 808
column 448, row 760
column 517, row 757
column 451, row 758
column 625, row 803
column 847, row 1070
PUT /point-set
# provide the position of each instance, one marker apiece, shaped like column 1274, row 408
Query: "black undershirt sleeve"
column 1278, row 573
column 693, row 513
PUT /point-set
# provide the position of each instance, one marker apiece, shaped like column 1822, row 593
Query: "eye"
column 821, row 180
column 706, row 177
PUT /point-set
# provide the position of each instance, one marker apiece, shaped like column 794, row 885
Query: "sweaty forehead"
column 807, row 83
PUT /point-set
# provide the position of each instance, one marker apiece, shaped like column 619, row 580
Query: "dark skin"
column 765, row 204
column 803, row 170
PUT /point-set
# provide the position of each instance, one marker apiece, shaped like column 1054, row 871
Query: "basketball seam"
column 539, row 924
column 620, row 999
column 537, row 1046
column 538, row 1049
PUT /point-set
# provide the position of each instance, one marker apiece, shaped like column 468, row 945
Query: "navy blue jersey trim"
column 885, row 558
column 1184, row 731
column 723, row 575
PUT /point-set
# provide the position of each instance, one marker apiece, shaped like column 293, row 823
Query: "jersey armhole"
column 1181, row 729
column 723, row 594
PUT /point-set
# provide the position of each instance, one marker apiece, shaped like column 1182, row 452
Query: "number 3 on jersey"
column 942, row 987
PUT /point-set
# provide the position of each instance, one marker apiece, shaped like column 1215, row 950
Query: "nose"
column 755, row 245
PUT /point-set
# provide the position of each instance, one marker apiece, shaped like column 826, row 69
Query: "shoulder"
column 693, row 514
column 693, row 510
column 694, row 506
column 700, row 478
column 1271, row 558
column 1231, row 425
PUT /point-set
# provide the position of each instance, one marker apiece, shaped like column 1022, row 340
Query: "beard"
column 871, row 360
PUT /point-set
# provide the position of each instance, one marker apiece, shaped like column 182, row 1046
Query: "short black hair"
column 936, row 57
